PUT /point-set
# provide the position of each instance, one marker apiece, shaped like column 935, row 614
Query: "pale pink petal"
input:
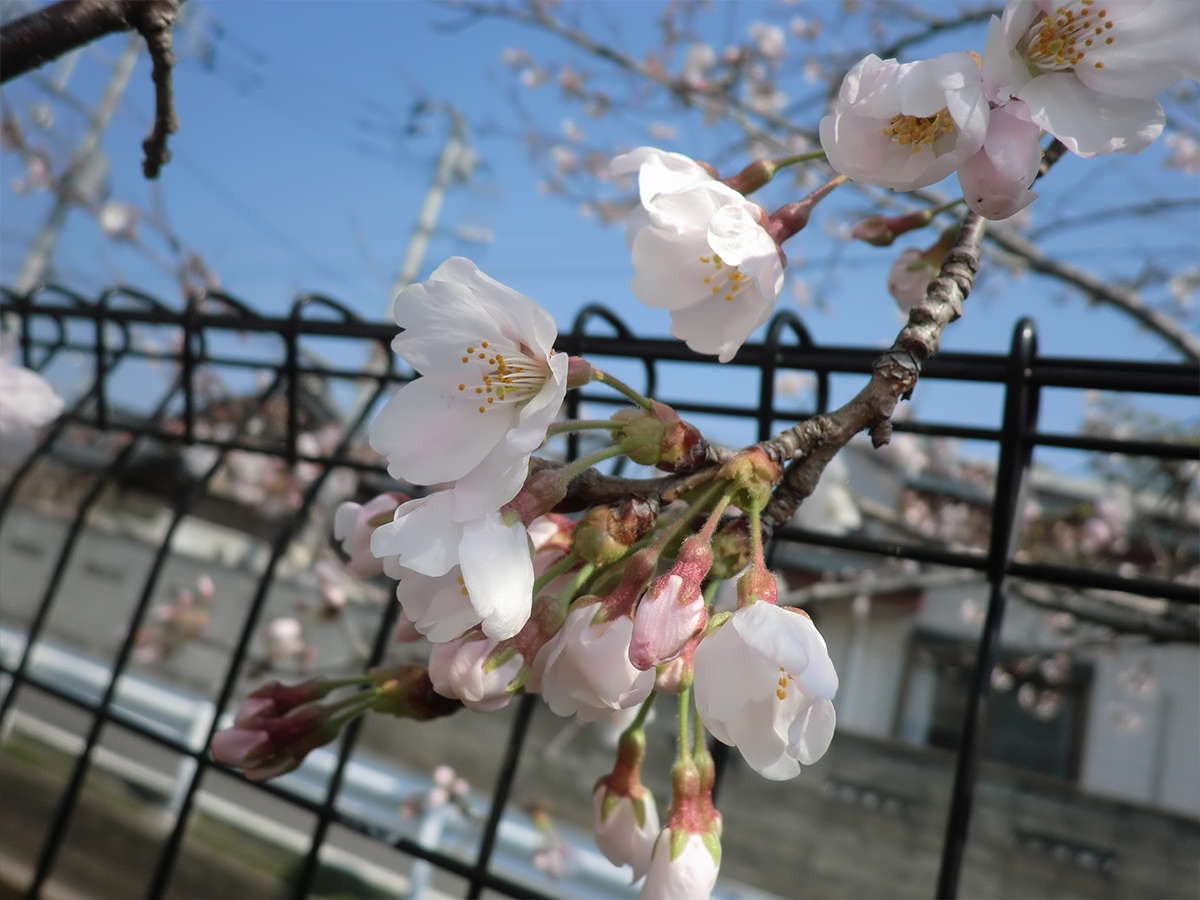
column 1090, row 123
column 424, row 535
column 498, row 571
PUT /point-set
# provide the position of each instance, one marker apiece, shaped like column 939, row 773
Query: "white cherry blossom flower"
column 995, row 181
column 691, row 875
column 27, row 403
column 701, row 251
column 584, row 670
column 625, row 834
column 492, row 558
column 906, row 125
column 764, row 683
column 460, row 669
column 1089, row 69
column 491, row 385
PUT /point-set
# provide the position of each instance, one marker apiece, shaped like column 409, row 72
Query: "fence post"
column 1016, row 448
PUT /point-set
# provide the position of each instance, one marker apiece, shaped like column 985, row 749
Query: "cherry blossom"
column 995, row 181
column 701, row 251
column 491, row 558
column 491, row 385
column 906, row 125
column 764, row 683
column 584, row 670
column 687, row 875
column 27, row 403
column 353, row 525
column 1089, row 70
column 468, row 669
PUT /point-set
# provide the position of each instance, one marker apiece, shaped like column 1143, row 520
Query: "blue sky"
column 292, row 172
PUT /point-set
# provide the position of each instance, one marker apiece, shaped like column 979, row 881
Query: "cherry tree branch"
column 808, row 447
column 46, row 34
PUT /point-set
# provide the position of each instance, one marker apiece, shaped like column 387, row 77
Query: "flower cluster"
column 1084, row 71
column 521, row 581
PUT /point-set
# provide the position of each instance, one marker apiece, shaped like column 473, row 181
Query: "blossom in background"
column 283, row 641
column 701, row 251
column 995, row 181
column 490, row 386
column 909, row 278
column 353, row 525
column 914, row 270
column 765, row 684
column 27, row 403
column 906, row 125
column 1089, row 70
column 1185, row 153
column 584, row 670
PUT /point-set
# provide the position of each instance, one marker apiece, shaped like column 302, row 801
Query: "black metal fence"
column 55, row 323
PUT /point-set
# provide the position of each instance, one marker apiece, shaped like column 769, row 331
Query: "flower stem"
column 714, row 517
column 567, row 594
column 785, row 161
column 554, row 571
column 710, row 593
column 683, row 755
column 571, row 469
column 756, row 536
column 699, row 748
column 643, row 711
column 579, row 425
column 618, row 385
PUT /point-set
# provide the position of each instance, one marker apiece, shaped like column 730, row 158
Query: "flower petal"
column 423, row 535
column 1088, row 122
column 1151, row 50
column 498, row 572
column 430, row 435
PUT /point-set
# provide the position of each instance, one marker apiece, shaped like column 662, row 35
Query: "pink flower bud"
column 672, row 611
column 881, row 231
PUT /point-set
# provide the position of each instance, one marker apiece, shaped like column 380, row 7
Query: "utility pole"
column 38, row 258
column 456, row 160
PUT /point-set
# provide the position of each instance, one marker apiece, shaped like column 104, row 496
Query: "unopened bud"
column 579, row 372
column 658, row 437
column 753, row 474
column 673, row 610
column 751, row 178
column 406, row 692
column 881, row 231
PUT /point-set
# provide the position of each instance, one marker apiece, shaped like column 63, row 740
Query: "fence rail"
column 50, row 322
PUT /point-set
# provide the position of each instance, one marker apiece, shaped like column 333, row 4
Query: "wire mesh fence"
column 169, row 401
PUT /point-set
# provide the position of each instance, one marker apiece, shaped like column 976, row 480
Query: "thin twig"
column 46, row 34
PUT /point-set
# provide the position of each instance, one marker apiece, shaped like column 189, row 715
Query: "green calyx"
column 713, row 844
column 679, row 839
column 499, row 657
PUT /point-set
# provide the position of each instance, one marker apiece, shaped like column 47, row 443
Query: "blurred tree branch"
column 46, row 34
